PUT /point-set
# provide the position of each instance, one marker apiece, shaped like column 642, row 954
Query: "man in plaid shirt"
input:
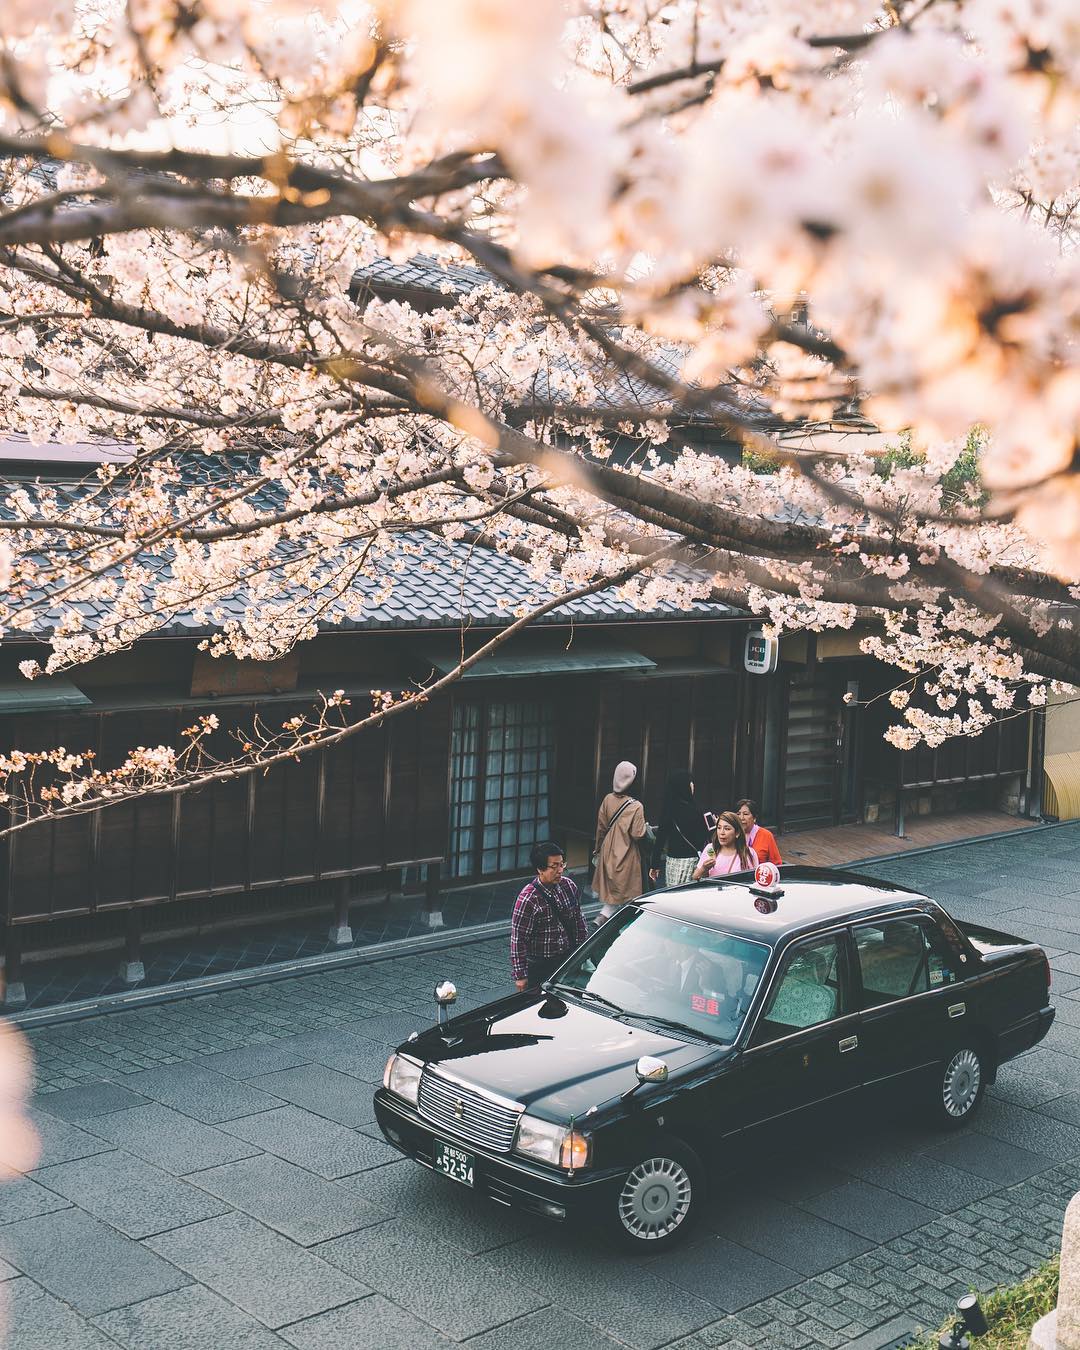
column 547, row 923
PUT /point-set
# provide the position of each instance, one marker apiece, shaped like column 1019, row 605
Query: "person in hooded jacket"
column 620, row 826
column 680, row 834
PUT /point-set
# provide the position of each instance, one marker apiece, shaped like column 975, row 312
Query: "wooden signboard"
column 229, row 675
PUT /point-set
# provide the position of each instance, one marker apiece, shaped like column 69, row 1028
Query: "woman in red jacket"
column 757, row 836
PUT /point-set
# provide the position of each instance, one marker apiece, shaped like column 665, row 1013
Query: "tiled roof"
column 445, row 283
column 442, row 584
column 423, row 273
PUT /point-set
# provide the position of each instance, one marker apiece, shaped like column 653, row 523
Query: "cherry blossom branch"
column 162, row 773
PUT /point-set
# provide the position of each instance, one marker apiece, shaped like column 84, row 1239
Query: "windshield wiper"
column 588, row 993
column 671, row 1025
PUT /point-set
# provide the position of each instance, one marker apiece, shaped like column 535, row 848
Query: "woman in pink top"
column 727, row 851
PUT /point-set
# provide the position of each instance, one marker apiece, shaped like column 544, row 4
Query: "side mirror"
column 445, row 994
column 651, row 1070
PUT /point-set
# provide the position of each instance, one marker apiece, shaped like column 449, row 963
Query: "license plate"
column 453, row 1163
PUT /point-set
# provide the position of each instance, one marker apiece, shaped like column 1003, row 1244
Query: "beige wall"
column 1062, row 724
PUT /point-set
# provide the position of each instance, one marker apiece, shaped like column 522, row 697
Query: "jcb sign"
column 761, row 653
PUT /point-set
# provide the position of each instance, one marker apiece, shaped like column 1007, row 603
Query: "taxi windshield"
column 653, row 966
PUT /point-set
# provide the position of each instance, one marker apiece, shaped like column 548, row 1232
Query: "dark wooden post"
column 900, row 794
column 132, row 970
column 432, row 901
column 341, row 934
column 14, row 989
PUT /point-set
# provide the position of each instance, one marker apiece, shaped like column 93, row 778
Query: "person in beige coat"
column 620, row 826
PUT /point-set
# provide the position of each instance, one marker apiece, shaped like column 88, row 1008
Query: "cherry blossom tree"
column 807, row 226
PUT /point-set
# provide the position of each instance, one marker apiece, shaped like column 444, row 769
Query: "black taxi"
column 693, row 1015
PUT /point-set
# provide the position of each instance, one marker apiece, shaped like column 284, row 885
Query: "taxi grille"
column 466, row 1113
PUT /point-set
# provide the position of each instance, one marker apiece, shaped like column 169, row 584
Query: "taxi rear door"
column 804, row 1047
column 914, row 996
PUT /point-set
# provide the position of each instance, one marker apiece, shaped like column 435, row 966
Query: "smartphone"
column 710, row 820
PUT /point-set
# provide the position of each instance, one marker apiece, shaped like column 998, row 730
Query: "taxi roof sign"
column 766, row 887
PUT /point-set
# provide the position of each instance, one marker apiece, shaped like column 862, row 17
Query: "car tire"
column 660, row 1199
column 958, row 1085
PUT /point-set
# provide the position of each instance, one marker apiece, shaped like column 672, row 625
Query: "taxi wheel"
column 959, row 1084
column 661, row 1197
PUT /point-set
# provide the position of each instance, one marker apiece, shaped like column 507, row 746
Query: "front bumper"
column 585, row 1196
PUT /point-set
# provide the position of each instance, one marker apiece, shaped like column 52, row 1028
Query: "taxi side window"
column 899, row 958
column 943, row 962
column 806, row 993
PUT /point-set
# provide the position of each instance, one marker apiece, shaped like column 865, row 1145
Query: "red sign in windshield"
column 709, row 1006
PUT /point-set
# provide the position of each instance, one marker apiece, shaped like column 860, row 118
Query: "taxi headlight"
column 402, row 1077
column 557, row 1145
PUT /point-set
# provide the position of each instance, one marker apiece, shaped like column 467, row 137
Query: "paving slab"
column 868, row 1210
column 95, row 1099
column 1032, row 1130
column 251, row 1060
column 620, row 1297
column 459, row 1295
column 1065, row 1108
column 1061, row 1071
column 295, row 1203
column 785, row 1234
column 321, row 1146
column 316, row 1087
column 63, row 1142
column 201, row 1093
column 541, row 1331
column 339, row 1048
column 172, row 1141
column 257, row 1269
column 193, row 1318
column 442, row 1208
column 926, row 1180
column 37, row 1321
column 1061, row 1038
column 374, row 1323
column 23, row 1197
column 725, row 1274
column 393, row 1028
column 1015, row 1085
column 86, row 1263
column 998, row 1161
column 1068, row 1009
column 797, row 1182
column 129, row 1194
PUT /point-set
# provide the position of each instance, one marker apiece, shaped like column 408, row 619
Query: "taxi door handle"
column 957, row 1009
column 849, row 1043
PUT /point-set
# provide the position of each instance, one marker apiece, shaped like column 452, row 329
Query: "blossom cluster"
column 754, row 285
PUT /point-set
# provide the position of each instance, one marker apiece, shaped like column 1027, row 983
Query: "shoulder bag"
column 557, row 914
column 594, row 857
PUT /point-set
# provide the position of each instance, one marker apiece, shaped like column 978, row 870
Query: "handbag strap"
column 614, row 818
column 553, row 904
column 684, row 838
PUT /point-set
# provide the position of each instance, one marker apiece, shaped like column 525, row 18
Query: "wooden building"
column 455, row 791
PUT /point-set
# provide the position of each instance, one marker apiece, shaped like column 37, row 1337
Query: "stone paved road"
column 212, row 1180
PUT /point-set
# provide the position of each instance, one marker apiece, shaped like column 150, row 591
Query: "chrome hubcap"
column 655, row 1198
column 961, row 1083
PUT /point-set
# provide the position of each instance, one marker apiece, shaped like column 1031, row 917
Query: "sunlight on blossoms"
column 783, row 293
